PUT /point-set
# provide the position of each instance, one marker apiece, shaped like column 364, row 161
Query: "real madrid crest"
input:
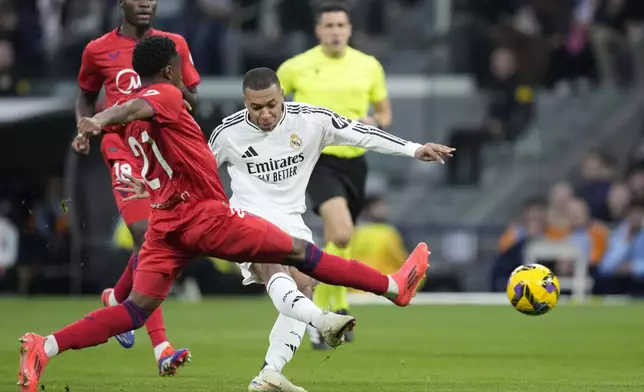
column 295, row 141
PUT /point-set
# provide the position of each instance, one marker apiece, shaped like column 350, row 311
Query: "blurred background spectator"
column 622, row 269
column 510, row 110
column 532, row 225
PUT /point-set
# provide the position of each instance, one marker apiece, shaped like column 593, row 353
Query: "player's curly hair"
column 152, row 54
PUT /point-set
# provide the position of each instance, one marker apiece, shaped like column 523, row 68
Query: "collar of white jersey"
column 278, row 123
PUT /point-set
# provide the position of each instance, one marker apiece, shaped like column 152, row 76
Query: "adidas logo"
column 250, row 153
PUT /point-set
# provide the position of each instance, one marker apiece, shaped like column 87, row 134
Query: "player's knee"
column 304, row 282
column 305, row 256
column 298, row 250
column 306, row 287
column 140, row 307
column 138, row 229
column 341, row 239
column 267, row 271
column 338, row 233
column 338, row 224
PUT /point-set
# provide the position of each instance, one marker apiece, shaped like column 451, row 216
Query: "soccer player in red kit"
column 107, row 61
column 191, row 216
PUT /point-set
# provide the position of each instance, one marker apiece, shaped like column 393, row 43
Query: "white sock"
column 111, row 299
column 285, row 338
column 290, row 301
column 314, row 334
column 392, row 289
column 158, row 350
column 51, row 346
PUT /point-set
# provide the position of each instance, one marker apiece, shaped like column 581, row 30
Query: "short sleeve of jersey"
column 286, row 75
column 190, row 75
column 166, row 101
column 378, row 91
column 90, row 78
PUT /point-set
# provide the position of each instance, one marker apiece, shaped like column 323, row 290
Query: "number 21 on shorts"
column 139, row 152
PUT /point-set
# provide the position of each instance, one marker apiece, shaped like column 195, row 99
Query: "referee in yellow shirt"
column 347, row 81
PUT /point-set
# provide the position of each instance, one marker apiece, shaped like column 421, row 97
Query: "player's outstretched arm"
column 340, row 131
column 136, row 109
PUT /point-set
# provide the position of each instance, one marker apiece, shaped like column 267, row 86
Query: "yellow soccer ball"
column 533, row 289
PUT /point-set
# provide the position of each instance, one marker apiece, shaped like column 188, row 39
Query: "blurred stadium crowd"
column 514, row 49
column 601, row 214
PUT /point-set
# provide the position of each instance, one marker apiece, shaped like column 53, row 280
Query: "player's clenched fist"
column 434, row 152
column 80, row 144
column 87, row 125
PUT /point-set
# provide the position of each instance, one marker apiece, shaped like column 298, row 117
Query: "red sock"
column 100, row 325
column 124, row 285
column 337, row 271
column 155, row 327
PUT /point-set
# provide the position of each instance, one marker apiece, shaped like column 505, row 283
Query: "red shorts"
column 209, row 228
column 120, row 161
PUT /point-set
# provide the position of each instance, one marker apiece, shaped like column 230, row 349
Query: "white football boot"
column 333, row 326
column 270, row 380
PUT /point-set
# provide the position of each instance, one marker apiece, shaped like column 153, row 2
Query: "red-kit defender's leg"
column 232, row 234
column 135, row 214
column 159, row 266
column 157, row 256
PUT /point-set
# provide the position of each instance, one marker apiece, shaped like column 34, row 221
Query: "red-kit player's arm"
column 191, row 78
column 90, row 82
column 162, row 102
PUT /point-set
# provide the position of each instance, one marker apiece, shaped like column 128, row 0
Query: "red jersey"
column 108, row 61
column 176, row 159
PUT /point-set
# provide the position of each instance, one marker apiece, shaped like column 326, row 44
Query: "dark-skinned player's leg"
column 135, row 214
column 159, row 264
column 235, row 235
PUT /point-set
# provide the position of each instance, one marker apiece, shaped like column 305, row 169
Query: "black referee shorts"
column 339, row 177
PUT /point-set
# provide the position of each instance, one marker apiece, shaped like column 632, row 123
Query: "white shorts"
column 292, row 224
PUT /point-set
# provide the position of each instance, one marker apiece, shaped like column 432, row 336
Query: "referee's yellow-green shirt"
column 346, row 85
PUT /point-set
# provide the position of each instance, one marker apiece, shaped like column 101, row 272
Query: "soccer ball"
column 533, row 289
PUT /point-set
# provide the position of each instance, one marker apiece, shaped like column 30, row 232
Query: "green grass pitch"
column 420, row 348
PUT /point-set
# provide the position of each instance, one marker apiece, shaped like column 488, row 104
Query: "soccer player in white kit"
column 269, row 150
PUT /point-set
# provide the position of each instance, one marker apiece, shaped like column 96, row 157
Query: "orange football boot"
column 33, row 360
column 172, row 360
column 409, row 276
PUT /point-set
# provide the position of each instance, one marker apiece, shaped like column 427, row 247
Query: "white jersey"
column 270, row 170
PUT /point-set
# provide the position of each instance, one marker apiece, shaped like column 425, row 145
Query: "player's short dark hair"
column 331, row 6
column 260, row 79
column 152, row 54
